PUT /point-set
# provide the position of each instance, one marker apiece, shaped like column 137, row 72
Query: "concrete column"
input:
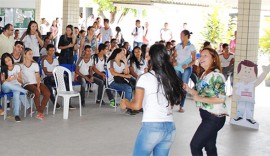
column 247, row 40
column 37, row 11
column 71, row 10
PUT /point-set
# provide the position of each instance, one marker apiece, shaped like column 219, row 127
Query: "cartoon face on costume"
column 247, row 74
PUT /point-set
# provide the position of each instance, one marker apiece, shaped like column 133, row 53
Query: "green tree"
column 265, row 39
column 107, row 5
column 214, row 28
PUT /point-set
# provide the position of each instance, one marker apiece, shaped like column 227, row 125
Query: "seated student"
column 11, row 78
column 48, row 64
column 137, row 64
column 17, row 52
column 31, row 82
column 84, row 72
column 118, row 73
column 99, row 66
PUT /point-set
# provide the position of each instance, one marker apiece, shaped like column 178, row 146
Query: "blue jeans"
column 156, row 137
column 139, row 44
column 185, row 78
column 123, row 87
column 16, row 89
column 206, row 134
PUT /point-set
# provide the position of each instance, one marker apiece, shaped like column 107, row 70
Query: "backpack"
column 95, row 57
column 137, row 29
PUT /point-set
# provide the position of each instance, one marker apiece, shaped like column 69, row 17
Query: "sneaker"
column 2, row 112
column 251, row 121
column 71, row 107
column 30, row 95
column 130, row 112
column 102, row 102
column 58, row 106
column 29, row 111
column 17, row 119
column 237, row 119
column 112, row 103
column 8, row 106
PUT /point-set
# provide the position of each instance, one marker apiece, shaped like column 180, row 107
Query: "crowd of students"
column 162, row 74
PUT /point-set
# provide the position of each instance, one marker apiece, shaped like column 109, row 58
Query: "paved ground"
column 102, row 132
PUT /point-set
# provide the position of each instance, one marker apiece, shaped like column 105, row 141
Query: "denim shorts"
column 156, row 137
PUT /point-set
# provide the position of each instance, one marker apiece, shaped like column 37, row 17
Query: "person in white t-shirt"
column 166, row 33
column 32, row 82
column 156, row 91
column 186, row 57
column 227, row 62
column 99, row 67
column 118, row 74
column 44, row 27
column 48, row 64
column 137, row 64
column 32, row 39
column 11, row 79
column 138, row 33
column 17, row 52
column 106, row 32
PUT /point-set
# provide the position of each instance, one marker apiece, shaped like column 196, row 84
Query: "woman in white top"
column 31, row 81
column 137, row 64
column 186, row 57
column 156, row 92
column 32, row 39
column 11, row 79
column 210, row 97
column 118, row 74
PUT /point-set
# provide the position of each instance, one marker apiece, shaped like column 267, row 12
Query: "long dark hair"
column 4, row 68
column 114, row 53
column 133, row 58
column 29, row 28
column 165, row 74
column 143, row 49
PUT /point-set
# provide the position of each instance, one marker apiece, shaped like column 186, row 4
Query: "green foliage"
column 214, row 28
column 265, row 39
column 219, row 27
column 105, row 5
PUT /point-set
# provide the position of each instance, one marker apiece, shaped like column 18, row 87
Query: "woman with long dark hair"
column 210, row 97
column 66, row 44
column 137, row 64
column 11, row 80
column 118, row 72
column 156, row 91
column 32, row 39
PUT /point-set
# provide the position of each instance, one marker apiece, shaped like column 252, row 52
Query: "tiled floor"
column 102, row 132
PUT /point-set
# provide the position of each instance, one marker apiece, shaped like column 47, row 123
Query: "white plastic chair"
column 106, row 87
column 59, row 73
